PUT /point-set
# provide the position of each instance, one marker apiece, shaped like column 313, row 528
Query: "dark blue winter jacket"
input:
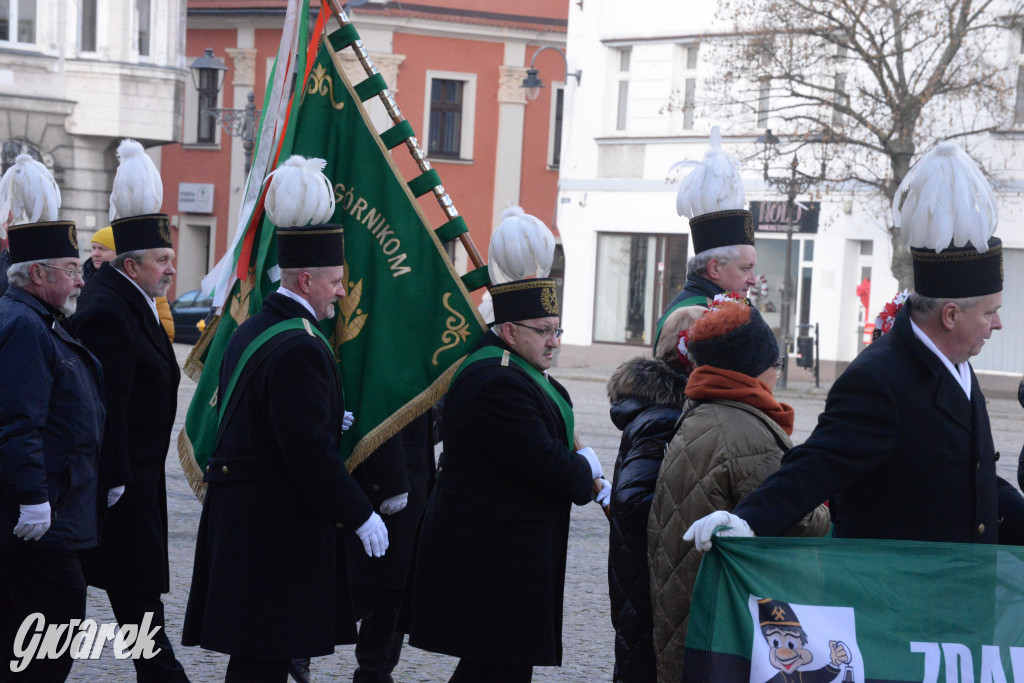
column 51, row 425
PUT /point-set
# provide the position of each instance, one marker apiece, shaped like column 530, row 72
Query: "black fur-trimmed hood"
column 649, row 380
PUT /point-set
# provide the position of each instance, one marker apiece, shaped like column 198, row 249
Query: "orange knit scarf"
column 707, row 383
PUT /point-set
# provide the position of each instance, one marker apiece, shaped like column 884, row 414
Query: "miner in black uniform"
column 268, row 582
column 118, row 321
column 397, row 478
column 490, row 567
column 904, row 448
column 722, row 230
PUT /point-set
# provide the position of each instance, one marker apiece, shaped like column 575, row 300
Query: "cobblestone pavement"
column 587, row 631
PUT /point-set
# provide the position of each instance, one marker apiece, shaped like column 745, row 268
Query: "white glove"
column 701, row 531
column 33, row 522
column 114, row 495
column 595, row 464
column 374, row 535
column 394, row 504
column 604, row 498
column 347, row 420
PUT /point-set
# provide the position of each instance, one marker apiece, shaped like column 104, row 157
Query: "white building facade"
column 76, row 76
column 638, row 111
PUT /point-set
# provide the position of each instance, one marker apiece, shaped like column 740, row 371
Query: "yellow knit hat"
column 105, row 237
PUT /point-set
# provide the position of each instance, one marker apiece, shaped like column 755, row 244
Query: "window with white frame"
column 18, row 21
column 625, row 54
column 684, row 87
column 1018, row 109
column 450, row 105
column 763, row 52
column 764, row 95
column 555, row 127
column 143, row 9
column 87, row 26
column 840, row 97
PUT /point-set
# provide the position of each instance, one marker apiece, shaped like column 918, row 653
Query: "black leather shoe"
column 299, row 670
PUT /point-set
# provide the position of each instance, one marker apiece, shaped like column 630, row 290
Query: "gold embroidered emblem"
column 349, row 320
column 240, row 301
column 457, row 332
column 778, row 613
column 748, row 227
column 163, row 229
column 549, row 301
column 323, row 84
column 73, row 237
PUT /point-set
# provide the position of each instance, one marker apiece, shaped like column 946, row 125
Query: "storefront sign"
column 774, row 216
column 195, row 197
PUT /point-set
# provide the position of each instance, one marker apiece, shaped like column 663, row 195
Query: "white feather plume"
column 300, row 194
column 28, row 192
column 137, row 189
column 521, row 247
column 945, row 199
column 714, row 184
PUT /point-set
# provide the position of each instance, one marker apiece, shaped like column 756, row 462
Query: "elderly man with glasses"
column 118, row 321
column 490, row 566
column 51, row 429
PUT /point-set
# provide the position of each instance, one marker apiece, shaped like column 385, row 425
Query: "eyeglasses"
column 73, row 273
column 545, row 333
column 778, row 364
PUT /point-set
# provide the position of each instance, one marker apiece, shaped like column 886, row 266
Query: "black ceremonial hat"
column 314, row 246
column 524, row 300
column 148, row 231
column 776, row 613
column 958, row 272
column 722, row 229
column 39, row 241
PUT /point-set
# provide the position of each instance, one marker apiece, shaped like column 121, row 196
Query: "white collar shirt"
column 961, row 372
column 147, row 297
column 295, row 297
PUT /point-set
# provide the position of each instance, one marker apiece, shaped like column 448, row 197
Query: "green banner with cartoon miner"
column 784, row 610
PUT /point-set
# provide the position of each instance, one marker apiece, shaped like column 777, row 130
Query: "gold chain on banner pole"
column 418, row 155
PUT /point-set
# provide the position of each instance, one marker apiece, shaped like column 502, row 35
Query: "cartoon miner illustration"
column 786, row 640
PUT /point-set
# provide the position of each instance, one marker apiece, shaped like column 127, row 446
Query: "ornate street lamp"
column 533, row 82
column 208, row 76
column 792, row 185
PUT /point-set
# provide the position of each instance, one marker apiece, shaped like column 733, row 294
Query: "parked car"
column 188, row 310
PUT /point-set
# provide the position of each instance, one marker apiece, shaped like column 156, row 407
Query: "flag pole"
column 420, row 157
column 413, row 145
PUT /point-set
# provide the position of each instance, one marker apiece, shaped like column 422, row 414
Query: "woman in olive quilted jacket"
column 646, row 396
column 732, row 435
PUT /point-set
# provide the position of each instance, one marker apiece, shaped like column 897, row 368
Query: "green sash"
column 692, row 301
column 254, row 346
column 563, row 406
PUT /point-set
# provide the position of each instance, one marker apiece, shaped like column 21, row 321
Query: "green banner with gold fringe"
column 407, row 320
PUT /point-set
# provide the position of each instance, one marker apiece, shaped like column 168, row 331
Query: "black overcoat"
column 899, row 450
column 115, row 322
column 404, row 464
column 490, row 565
column 51, row 425
column 265, row 581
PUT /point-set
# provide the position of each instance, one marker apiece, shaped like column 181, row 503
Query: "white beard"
column 69, row 306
